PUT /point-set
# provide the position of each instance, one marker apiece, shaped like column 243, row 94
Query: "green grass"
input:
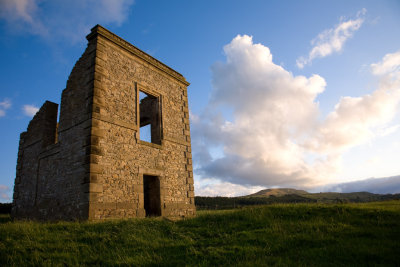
column 364, row 234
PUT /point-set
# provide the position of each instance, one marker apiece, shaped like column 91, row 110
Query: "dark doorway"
column 151, row 189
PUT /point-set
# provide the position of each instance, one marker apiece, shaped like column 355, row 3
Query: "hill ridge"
column 278, row 192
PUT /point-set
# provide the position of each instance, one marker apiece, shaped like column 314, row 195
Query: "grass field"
column 283, row 234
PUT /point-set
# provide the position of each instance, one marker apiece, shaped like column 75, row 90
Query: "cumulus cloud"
column 4, row 191
column 4, row 105
column 332, row 40
column 275, row 134
column 68, row 20
column 354, row 119
column 30, row 110
column 212, row 187
column 387, row 185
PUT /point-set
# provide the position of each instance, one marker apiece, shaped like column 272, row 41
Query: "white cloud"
column 354, row 119
column 30, row 110
column 4, row 105
column 332, row 40
column 390, row 64
column 276, row 136
column 114, row 11
column 212, row 187
column 4, row 191
column 21, row 8
column 68, row 20
column 22, row 14
column 389, row 130
column 375, row 160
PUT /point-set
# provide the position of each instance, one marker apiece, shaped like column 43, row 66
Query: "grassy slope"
column 285, row 234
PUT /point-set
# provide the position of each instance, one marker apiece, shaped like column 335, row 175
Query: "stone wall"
column 96, row 169
column 124, row 158
column 52, row 165
column 33, row 143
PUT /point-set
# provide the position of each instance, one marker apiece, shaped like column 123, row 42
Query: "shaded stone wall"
column 51, row 171
column 96, row 168
column 33, row 143
column 74, row 138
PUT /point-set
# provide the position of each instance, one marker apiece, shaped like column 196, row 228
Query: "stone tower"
column 121, row 147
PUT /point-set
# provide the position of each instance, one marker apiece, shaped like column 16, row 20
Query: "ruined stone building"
column 121, row 147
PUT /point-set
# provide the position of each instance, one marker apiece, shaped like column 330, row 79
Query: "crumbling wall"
column 40, row 135
column 51, row 181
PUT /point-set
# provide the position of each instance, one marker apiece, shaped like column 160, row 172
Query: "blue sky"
column 283, row 93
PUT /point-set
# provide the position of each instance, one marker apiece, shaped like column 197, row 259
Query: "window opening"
column 152, row 199
column 150, row 123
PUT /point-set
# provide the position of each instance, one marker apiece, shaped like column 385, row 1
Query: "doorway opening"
column 151, row 190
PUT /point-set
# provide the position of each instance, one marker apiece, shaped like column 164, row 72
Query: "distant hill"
column 278, row 192
column 288, row 195
column 324, row 197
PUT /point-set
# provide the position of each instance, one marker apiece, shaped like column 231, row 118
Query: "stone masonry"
column 95, row 162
